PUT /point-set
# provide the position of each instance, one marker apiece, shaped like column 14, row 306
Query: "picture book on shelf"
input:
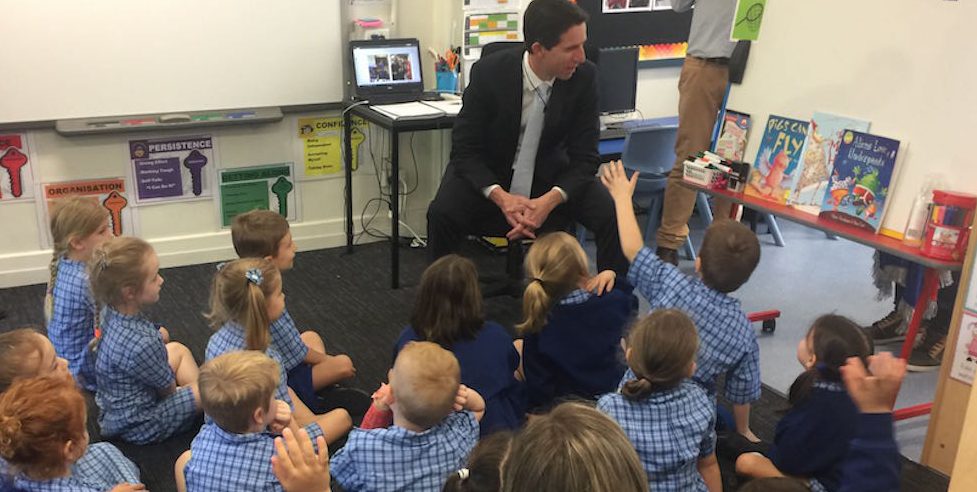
column 818, row 158
column 731, row 144
column 776, row 161
column 859, row 189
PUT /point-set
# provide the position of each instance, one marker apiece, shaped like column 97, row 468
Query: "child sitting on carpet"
column 448, row 312
column 573, row 324
column 245, row 300
column 43, row 437
column 146, row 387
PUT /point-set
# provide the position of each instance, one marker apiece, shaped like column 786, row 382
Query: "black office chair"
column 592, row 52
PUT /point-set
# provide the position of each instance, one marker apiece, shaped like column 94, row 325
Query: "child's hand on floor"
column 602, row 282
column 875, row 392
column 383, row 397
column 283, row 417
column 616, row 181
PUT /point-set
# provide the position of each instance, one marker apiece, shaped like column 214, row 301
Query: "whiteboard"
column 79, row 59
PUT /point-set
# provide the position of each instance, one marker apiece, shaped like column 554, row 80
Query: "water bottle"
column 915, row 226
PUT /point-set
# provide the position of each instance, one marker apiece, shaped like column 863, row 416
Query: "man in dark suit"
column 524, row 146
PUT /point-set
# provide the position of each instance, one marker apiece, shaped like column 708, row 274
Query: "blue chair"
column 651, row 151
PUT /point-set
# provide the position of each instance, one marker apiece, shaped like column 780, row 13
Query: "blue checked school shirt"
column 221, row 460
column 398, row 459
column 727, row 344
column 285, row 338
column 671, row 430
column 101, row 468
column 132, row 366
column 72, row 323
column 230, row 338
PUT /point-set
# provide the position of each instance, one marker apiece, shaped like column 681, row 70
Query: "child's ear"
column 74, row 243
column 692, row 368
column 73, row 451
column 128, row 293
column 269, row 258
column 258, row 417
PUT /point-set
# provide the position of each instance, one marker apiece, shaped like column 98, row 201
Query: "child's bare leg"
column 181, row 478
column 182, row 363
column 756, row 465
column 300, row 412
column 331, row 370
column 335, row 424
column 313, row 341
column 327, row 370
column 520, row 375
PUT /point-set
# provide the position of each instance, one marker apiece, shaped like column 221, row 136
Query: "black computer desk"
column 610, row 149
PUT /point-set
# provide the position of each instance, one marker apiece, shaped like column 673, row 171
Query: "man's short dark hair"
column 730, row 252
column 546, row 20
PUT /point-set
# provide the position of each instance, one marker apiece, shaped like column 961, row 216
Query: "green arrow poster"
column 267, row 187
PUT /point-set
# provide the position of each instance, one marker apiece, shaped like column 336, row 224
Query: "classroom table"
column 609, row 150
column 895, row 247
column 395, row 127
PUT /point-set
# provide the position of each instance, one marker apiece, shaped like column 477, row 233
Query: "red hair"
column 38, row 416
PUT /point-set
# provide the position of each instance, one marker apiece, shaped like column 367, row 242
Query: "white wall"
column 908, row 66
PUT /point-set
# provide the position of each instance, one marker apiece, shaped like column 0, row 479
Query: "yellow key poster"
column 321, row 145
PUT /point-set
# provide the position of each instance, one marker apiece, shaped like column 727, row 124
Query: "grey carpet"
column 347, row 300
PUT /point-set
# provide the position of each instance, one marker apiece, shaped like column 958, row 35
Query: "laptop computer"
column 387, row 71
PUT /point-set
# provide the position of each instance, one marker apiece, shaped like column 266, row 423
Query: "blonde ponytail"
column 555, row 265
column 240, row 293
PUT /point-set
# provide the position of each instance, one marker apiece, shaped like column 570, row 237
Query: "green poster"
column 269, row 187
column 746, row 22
column 237, row 198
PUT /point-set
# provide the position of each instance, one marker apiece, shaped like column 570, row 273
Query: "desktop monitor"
column 617, row 76
column 386, row 66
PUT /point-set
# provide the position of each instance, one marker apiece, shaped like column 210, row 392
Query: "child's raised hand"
column 602, row 282
column 296, row 464
column 876, row 392
column 461, row 399
column 616, row 181
column 383, row 397
column 283, row 417
column 128, row 487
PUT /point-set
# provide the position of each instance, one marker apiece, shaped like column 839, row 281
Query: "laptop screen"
column 387, row 66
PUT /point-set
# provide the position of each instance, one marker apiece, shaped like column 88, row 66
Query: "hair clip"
column 536, row 279
column 221, row 265
column 463, row 474
column 253, row 275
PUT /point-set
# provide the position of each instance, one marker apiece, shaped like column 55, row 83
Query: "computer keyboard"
column 613, row 132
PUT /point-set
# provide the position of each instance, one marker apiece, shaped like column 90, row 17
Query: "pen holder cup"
column 447, row 82
column 947, row 230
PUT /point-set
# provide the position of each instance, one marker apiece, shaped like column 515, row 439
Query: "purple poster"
column 176, row 168
column 158, row 178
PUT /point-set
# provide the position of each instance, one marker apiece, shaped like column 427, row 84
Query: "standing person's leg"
column 928, row 355
column 701, row 86
column 457, row 210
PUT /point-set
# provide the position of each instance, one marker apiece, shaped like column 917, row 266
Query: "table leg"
column 930, row 286
column 348, row 167
column 394, row 209
column 928, row 293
